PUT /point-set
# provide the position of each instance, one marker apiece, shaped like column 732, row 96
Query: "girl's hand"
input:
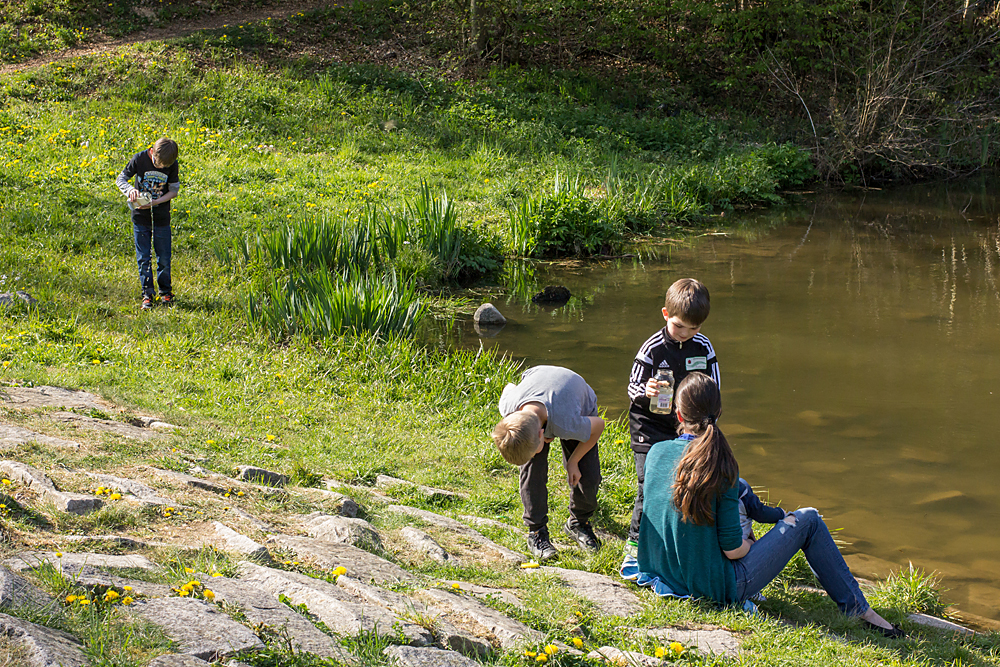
column 652, row 388
column 573, row 473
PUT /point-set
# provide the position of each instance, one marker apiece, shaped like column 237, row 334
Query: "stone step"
column 71, row 563
column 15, row 436
column 72, row 503
column 199, row 628
column 508, row 632
column 16, row 591
column 178, row 660
column 411, row 656
column 260, row 476
column 228, row 539
column 343, row 530
column 609, row 595
column 341, row 612
column 710, row 639
column 31, row 398
column 259, row 606
column 386, row 482
column 615, row 656
column 42, row 647
column 120, row 429
column 142, row 493
column 460, row 528
column 425, row 545
column 445, row 631
column 359, row 563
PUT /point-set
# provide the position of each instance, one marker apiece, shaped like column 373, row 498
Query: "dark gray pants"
column 535, row 491
column 640, row 476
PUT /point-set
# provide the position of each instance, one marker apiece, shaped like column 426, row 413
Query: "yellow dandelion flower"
column 660, row 652
column 542, row 658
column 127, row 600
column 577, row 642
column 111, row 595
column 115, row 496
column 339, row 570
column 70, row 598
column 677, row 647
column 216, row 574
column 188, row 570
column 183, row 593
column 5, row 481
column 58, row 553
column 239, row 493
column 457, row 586
column 210, row 442
column 530, row 654
column 551, row 649
column 194, row 582
column 85, row 601
column 126, row 588
column 209, row 595
column 271, row 436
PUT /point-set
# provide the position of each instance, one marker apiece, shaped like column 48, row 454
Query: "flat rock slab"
column 482, row 592
column 92, row 576
column 197, row 627
column 259, row 606
column 15, row 436
column 610, row 596
column 72, row 563
column 190, row 480
column 44, row 647
column 342, row 612
column 144, row 494
column 30, row 398
column 344, row 530
column 425, row 545
column 616, row 656
column 717, row 640
column 103, row 425
column 508, row 632
column 346, row 506
column 458, row 527
column 386, row 482
column 412, row 656
column 229, row 540
column 72, row 503
column 18, row 592
column 113, row 540
column 261, row 476
column 178, row 660
column 939, row 624
column 358, row 562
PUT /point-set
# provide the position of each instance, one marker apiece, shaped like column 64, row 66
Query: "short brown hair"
column 516, row 436
column 164, row 152
column 688, row 299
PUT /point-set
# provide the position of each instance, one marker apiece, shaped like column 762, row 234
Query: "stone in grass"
column 458, row 527
column 103, row 425
column 17, row 296
column 72, row 563
column 429, row 492
column 31, row 398
column 92, row 576
column 15, row 436
column 939, row 624
column 358, row 562
column 114, row 540
column 16, row 591
column 344, row 530
column 72, row 503
column 190, row 480
column 45, row 647
column 230, row 540
column 508, row 632
column 610, row 596
column 412, row 656
column 178, row 660
column 343, row 613
column 144, row 494
column 346, row 506
column 260, row 607
column 261, row 476
column 198, row 628
column 425, row 544
column 710, row 639
column 616, row 656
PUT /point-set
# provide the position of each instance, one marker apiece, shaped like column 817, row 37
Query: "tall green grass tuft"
column 912, row 590
column 323, row 305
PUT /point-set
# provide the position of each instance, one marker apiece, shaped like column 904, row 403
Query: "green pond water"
column 859, row 344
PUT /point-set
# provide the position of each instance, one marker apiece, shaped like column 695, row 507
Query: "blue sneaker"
column 630, row 564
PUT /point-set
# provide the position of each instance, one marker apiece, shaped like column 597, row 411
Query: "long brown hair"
column 708, row 466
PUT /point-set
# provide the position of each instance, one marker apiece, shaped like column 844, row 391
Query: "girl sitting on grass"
column 690, row 540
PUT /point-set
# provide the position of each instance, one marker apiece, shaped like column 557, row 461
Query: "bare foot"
column 872, row 617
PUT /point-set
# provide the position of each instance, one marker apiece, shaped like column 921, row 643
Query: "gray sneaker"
column 582, row 534
column 540, row 546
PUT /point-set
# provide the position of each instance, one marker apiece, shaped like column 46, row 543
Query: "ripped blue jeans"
column 769, row 555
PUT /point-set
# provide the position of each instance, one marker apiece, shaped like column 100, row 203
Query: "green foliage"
column 910, row 590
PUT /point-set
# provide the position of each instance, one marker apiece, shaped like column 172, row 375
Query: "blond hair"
column 688, row 299
column 516, row 436
column 164, row 152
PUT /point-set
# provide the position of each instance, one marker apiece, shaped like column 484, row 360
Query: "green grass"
column 290, row 168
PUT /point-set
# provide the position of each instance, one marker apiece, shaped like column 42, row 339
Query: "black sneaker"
column 540, row 546
column 147, row 303
column 167, row 299
column 583, row 534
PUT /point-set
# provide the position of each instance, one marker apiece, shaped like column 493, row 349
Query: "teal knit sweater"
column 686, row 557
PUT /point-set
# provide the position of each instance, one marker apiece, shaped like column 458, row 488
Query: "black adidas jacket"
column 661, row 351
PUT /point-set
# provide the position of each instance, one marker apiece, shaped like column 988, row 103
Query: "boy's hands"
column 134, row 195
column 652, row 388
column 573, row 473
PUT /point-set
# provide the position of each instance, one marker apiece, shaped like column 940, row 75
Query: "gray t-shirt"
column 567, row 398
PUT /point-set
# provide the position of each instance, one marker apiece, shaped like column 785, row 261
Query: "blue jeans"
column 769, row 555
column 160, row 238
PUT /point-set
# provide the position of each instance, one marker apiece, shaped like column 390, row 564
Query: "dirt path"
column 179, row 28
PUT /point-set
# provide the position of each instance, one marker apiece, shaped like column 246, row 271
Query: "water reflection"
column 857, row 337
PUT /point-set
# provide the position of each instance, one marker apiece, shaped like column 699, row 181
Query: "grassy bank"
column 277, row 146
